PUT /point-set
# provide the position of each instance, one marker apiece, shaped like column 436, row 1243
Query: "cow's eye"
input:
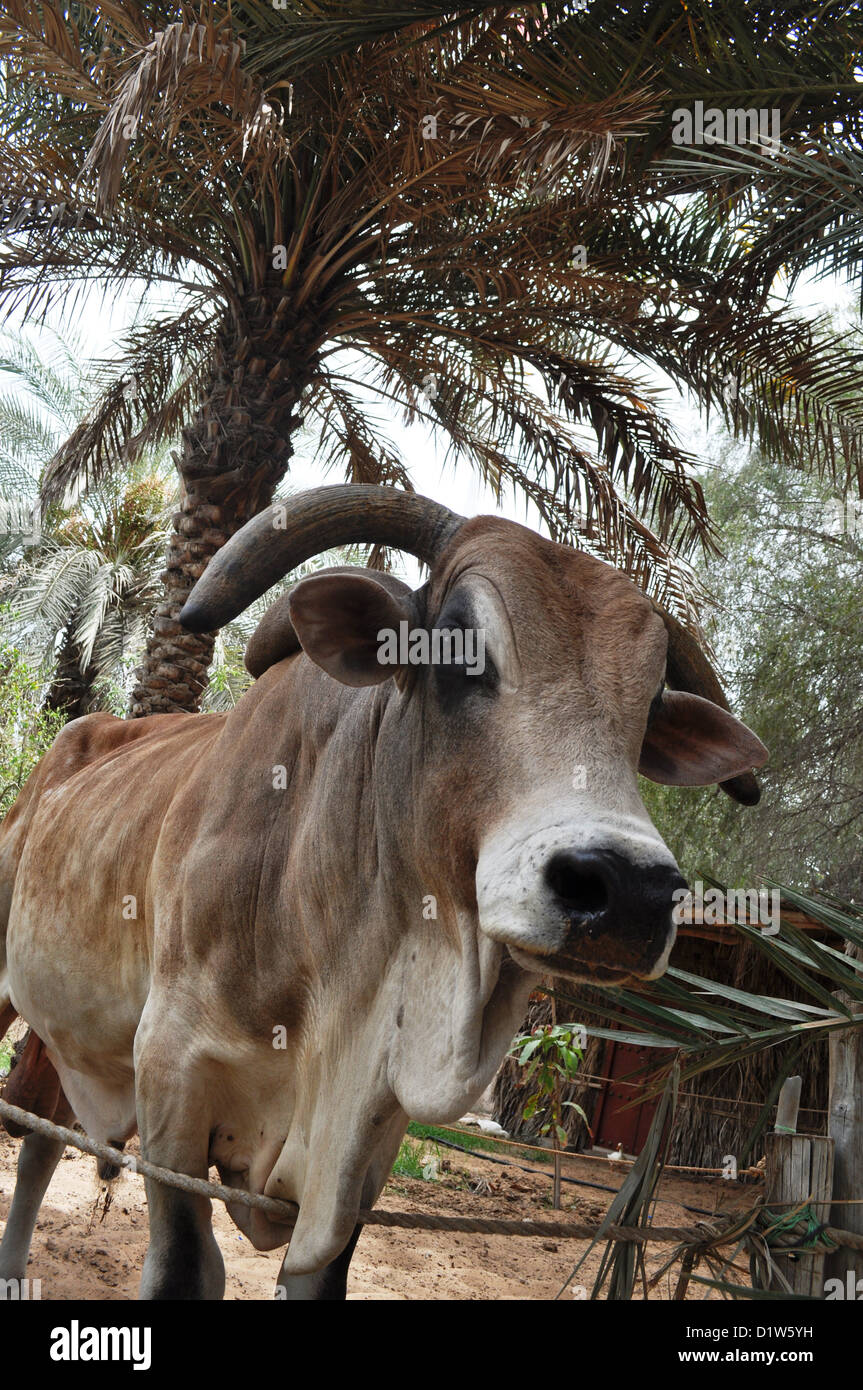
column 462, row 667
column 460, row 680
column 478, row 669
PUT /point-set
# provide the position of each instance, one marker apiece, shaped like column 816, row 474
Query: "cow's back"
column 81, row 743
column 74, row 856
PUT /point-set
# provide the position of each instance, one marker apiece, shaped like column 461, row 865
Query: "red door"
column 615, row 1125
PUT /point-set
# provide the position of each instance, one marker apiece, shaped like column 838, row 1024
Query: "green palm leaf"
column 693, row 1009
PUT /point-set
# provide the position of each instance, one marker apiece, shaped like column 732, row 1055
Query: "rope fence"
column 688, row 1095
column 697, row 1238
column 550, row 1151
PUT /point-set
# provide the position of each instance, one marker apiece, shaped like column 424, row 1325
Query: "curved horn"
column 687, row 668
column 287, row 533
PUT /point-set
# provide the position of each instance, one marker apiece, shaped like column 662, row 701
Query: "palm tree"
column 81, row 600
column 38, row 409
column 77, row 594
column 475, row 215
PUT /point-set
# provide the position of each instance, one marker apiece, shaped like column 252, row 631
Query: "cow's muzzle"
column 593, row 914
column 618, row 914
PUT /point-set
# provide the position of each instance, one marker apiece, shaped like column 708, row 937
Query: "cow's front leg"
column 328, row 1285
column 37, row 1160
column 183, row 1260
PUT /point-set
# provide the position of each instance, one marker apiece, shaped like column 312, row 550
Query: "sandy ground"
column 83, row 1250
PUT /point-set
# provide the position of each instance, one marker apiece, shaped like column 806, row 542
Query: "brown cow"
column 268, row 938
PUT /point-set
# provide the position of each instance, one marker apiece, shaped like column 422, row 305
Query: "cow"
column 267, row 939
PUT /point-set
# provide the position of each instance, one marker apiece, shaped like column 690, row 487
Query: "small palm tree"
column 27, row 728
column 82, row 598
column 475, row 214
column 79, row 590
column 43, row 399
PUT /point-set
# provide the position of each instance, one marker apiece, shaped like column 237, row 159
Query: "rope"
column 544, row 1172
column 489, row 1139
column 286, row 1212
column 734, row 1101
column 815, row 1236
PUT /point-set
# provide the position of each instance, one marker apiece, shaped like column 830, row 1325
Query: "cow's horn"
column 687, row 668
column 284, row 535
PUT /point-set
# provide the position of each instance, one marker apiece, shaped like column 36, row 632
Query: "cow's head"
column 585, row 682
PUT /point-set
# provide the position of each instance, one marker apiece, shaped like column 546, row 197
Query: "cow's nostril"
column 576, row 885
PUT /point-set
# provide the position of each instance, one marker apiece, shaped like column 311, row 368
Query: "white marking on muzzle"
column 515, row 904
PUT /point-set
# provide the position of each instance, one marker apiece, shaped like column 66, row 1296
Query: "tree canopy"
column 787, row 627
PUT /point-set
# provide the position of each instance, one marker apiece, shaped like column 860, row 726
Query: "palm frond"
column 711, row 1025
column 142, row 397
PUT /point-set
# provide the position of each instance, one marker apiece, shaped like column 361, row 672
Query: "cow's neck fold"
column 459, row 1009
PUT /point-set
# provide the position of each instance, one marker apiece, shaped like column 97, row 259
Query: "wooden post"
column 799, row 1171
column 788, row 1105
column 555, row 1109
column 845, row 1125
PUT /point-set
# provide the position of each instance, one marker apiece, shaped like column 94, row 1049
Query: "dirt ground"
column 82, row 1250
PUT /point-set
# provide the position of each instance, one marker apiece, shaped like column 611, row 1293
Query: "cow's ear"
column 339, row 618
column 691, row 742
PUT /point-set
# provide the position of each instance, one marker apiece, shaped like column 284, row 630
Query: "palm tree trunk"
column 71, row 691
column 234, row 455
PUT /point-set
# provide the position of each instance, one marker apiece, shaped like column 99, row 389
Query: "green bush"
column 26, row 729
